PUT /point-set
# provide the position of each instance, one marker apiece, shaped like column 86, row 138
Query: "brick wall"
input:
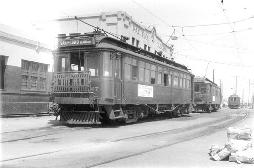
column 16, row 101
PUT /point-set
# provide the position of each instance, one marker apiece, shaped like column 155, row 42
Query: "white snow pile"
column 238, row 148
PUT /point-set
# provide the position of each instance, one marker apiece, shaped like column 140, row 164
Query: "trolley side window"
column 170, row 78
column 92, row 60
column 131, row 69
column 196, row 87
column 153, row 73
column 147, row 72
column 203, row 89
column 141, row 71
column 107, row 64
column 184, row 81
column 180, row 80
column 187, row 84
column 176, row 80
column 166, row 77
column 159, row 77
column 134, row 69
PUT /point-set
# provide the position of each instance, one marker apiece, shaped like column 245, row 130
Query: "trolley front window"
column 79, row 62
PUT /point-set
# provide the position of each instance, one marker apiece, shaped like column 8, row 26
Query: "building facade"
column 25, row 75
column 120, row 24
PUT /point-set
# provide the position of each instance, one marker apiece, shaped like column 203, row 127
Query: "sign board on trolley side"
column 145, row 91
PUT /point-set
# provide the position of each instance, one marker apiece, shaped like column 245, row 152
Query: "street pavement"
column 191, row 154
column 25, row 123
column 79, row 147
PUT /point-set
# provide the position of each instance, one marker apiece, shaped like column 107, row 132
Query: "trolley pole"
column 213, row 75
column 236, row 85
column 249, row 94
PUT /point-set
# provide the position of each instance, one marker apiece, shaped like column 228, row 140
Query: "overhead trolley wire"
column 232, row 26
column 215, row 62
column 201, row 25
column 97, row 28
column 213, row 24
column 192, row 26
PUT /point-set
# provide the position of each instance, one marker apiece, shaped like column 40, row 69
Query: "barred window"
column 24, row 82
column 25, row 65
column 30, row 78
column 35, row 66
column 42, row 83
column 33, row 82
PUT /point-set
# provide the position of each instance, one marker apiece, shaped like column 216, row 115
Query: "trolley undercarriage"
column 100, row 114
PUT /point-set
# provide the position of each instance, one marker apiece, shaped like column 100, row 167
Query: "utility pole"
column 206, row 69
column 221, row 91
column 236, row 85
column 249, row 93
column 213, row 75
column 242, row 97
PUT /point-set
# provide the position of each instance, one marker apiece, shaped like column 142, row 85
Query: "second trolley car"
column 234, row 101
column 207, row 95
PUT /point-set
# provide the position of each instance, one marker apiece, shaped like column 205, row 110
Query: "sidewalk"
column 24, row 123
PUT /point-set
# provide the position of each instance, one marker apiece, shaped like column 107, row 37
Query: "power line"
column 213, row 24
column 191, row 26
column 220, row 33
column 151, row 13
column 232, row 26
column 97, row 28
column 213, row 44
column 215, row 62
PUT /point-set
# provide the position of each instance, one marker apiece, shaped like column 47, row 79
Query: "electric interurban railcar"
column 207, row 95
column 234, row 101
column 99, row 78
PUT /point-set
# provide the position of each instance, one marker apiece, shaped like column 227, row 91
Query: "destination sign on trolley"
column 75, row 42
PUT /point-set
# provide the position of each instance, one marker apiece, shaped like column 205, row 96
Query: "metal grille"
column 72, row 82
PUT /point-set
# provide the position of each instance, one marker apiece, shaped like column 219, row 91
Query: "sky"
column 211, row 36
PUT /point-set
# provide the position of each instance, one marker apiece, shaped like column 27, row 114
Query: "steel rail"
column 205, row 132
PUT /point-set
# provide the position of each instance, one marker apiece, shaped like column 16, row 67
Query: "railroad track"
column 177, row 130
column 210, row 129
column 47, row 131
column 10, row 136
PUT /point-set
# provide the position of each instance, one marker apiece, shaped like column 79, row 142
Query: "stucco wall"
column 119, row 23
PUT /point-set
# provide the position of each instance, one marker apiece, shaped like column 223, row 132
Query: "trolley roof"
column 94, row 39
column 204, row 80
